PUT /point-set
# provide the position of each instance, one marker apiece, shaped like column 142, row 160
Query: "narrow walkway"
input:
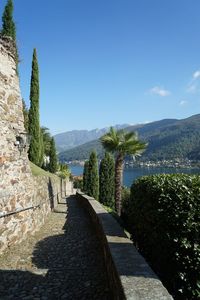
column 61, row 261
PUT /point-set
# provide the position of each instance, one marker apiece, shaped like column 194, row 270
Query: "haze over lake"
column 132, row 173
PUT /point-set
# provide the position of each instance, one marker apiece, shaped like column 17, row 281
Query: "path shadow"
column 69, row 265
column 15, row 284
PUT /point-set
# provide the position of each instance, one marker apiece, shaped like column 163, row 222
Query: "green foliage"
column 107, row 180
column 92, row 176
column 45, row 143
column 41, row 158
column 169, row 139
column 37, row 171
column 82, row 152
column 78, row 183
column 8, row 28
column 125, row 196
column 64, row 171
column 163, row 215
column 46, row 140
column 53, row 163
column 121, row 143
column 34, row 119
column 25, row 113
column 86, row 176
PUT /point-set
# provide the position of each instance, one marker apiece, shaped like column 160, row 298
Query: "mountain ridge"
column 70, row 139
column 167, row 139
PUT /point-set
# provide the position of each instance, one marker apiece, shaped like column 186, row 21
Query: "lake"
column 132, row 173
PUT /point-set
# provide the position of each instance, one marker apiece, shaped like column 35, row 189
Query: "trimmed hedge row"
column 163, row 215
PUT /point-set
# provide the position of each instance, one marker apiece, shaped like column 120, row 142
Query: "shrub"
column 64, row 171
column 93, row 176
column 78, row 182
column 125, row 195
column 163, row 215
column 86, row 176
column 107, row 180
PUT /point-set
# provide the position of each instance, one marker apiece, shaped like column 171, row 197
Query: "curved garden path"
column 62, row 260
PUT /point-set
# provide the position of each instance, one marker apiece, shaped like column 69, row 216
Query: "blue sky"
column 106, row 62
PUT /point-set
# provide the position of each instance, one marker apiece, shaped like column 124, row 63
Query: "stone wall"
column 19, row 190
column 19, row 218
column 68, row 188
column 128, row 273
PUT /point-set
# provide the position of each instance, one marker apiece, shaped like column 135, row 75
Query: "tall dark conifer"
column 93, row 177
column 53, row 163
column 8, row 26
column 107, row 180
column 34, row 118
column 25, row 113
column 85, row 177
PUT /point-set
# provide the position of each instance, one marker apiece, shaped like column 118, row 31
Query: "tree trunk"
column 118, row 182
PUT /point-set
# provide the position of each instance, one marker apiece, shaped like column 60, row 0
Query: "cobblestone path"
column 61, row 261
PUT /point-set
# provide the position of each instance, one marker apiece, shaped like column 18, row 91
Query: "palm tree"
column 121, row 143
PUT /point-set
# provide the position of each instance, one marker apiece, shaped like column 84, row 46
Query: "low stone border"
column 129, row 275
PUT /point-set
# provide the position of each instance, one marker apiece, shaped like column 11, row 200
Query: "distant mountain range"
column 167, row 139
column 71, row 139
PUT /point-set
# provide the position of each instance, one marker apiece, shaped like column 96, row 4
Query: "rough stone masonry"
column 18, row 188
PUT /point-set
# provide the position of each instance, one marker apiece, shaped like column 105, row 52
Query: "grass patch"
column 37, row 171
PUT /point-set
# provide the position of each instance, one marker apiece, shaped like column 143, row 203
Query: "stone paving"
column 61, row 261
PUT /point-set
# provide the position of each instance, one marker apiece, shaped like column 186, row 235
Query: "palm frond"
column 123, row 142
column 110, row 140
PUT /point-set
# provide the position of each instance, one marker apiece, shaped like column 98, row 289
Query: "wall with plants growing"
column 25, row 201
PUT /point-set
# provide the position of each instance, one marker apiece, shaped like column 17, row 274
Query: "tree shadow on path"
column 69, row 264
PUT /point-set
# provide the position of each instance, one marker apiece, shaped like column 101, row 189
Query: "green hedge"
column 78, row 183
column 163, row 215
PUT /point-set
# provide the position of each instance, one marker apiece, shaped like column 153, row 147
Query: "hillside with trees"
column 167, row 139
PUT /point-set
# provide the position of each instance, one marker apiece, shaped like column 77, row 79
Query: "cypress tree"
column 34, row 119
column 25, row 113
column 107, row 180
column 53, row 163
column 85, row 177
column 93, row 177
column 8, row 26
